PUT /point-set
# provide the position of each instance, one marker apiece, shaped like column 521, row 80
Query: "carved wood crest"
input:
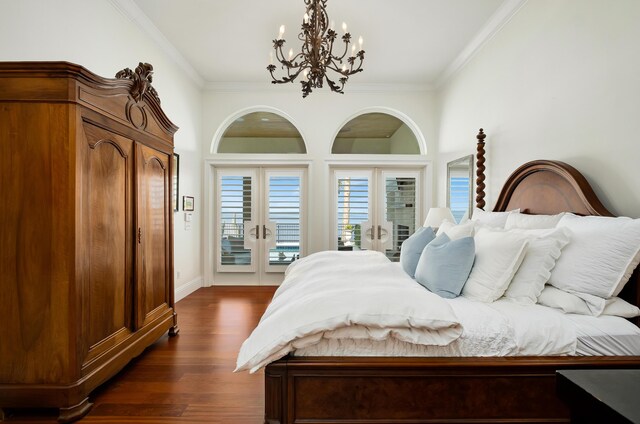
column 142, row 78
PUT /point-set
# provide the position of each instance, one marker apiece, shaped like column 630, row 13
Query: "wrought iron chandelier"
column 317, row 57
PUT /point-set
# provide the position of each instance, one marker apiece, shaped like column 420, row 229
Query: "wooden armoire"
column 86, row 230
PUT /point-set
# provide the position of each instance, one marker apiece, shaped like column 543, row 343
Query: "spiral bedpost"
column 480, row 203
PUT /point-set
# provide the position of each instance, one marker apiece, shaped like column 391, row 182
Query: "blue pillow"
column 412, row 248
column 445, row 264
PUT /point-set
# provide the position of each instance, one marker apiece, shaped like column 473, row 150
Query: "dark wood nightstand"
column 601, row 396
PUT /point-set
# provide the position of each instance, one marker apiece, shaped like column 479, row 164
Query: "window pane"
column 375, row 133
column 459, row 196
column 353, row 210
column 284, row 210
column 400, row 207
column 261, row 132
column 235, row 210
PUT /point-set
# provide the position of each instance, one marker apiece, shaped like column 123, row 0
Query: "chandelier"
column 317, row 56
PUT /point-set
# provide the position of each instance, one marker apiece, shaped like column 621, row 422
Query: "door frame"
column 354, row 162
column 209, row 183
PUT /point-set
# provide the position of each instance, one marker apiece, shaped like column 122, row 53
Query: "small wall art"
column 187, row 203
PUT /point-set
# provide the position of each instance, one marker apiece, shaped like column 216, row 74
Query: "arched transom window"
column 261, row 132
column 375, row 133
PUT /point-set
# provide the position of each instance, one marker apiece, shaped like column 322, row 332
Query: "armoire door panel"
column 107, row 183
column 153, row 236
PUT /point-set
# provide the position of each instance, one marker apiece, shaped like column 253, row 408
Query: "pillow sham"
column 572, row 303
column 498, row 256
column 540, row 257
column 412, row 248
column 492, row 219
column 445, row 264
column 530, row 222
column 601, row 257
column 454, row 231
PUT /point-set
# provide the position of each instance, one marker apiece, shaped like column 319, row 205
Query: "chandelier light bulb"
column 306, row 18
column 353, row 50
column 281, row 32
column 360, row 41
column 290, row 54
column 332, row 25
column 344, row 67
column 270, row 58
column 344, row 27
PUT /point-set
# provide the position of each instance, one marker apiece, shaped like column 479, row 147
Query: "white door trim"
column 208, row 242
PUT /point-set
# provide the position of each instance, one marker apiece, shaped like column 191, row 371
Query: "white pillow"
column 454, row 231
column 572, row 303
column 498, row 256
column 601, row 256
column 529, row 222
column 540, row 257
column 491, row 219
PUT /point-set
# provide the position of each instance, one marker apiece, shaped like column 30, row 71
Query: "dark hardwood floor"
column 188, row 378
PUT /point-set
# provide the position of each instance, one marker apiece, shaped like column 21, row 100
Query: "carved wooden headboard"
column 547, row 187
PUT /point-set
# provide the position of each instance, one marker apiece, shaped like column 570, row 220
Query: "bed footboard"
column 421, row 390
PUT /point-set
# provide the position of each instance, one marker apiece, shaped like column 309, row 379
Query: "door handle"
column 379, row 232
column 264, row 231
column 139, row 235
column 257, row 232
column 373, row 232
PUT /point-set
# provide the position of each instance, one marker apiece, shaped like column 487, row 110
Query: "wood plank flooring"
column 188, row 378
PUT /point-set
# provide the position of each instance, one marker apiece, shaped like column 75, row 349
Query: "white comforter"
column 347, row 295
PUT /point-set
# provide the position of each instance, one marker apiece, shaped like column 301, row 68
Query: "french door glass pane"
column 235, row 210
column 284, row 211
column 400, row 210
column 353, row 210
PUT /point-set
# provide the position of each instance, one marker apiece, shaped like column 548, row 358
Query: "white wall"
column 99, row 37
column 319, row 117
column 560, row 81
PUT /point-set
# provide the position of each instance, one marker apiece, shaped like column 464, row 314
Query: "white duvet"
column 347, row 295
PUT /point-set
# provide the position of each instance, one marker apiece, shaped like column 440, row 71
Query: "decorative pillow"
column 542, row 253
column 445, row 264
column 601, row 256
column 498, row 256
column 456, row 231
column 572, row 303
column 412, row 248
column 529, row 222
column 492, row 219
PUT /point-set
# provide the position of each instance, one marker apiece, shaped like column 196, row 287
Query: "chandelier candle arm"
column 317, row 56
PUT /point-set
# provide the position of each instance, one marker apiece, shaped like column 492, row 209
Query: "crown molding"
column 130, row 10
column 374, row 88
column 498, row 20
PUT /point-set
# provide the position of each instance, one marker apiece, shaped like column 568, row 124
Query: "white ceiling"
column 406, row 41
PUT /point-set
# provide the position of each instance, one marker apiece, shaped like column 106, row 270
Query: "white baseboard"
column 186, row 289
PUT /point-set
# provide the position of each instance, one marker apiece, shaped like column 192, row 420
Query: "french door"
column 375, row 208
column 259, row 223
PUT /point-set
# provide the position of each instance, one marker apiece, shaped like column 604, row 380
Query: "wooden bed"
column 350, row 390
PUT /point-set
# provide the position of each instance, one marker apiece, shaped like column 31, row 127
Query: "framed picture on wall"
column 187, row 203
column 175, row 182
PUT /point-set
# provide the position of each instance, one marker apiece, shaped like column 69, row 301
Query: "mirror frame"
column 465, row 160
